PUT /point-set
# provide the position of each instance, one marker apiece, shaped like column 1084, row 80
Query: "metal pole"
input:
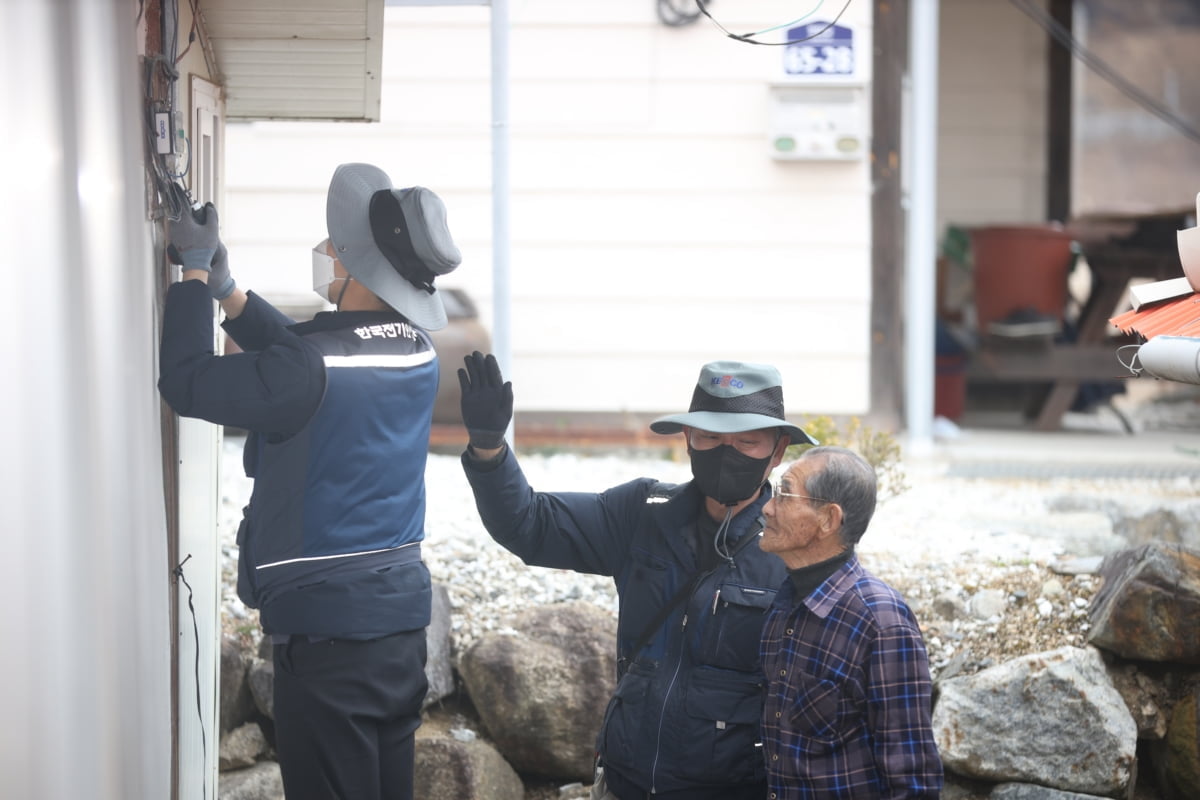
column 501, row 297
column 921, row 262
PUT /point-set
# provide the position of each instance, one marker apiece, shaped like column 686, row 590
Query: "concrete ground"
column 993, row 438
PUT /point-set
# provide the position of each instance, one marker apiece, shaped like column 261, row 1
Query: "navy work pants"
column 345, row 715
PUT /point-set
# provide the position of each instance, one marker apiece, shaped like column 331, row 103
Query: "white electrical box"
column 814, row 122
column 169, row 134
column 818, row 103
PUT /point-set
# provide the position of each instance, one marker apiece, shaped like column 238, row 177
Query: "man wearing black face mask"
column 684, row 720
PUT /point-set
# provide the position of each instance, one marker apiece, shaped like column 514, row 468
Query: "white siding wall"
column 992, row 115
column 651, row 229
column 85, row 676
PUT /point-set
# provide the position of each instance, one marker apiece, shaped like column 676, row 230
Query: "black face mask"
column 726, row 475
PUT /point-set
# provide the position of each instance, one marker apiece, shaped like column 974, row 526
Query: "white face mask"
column 323, row 272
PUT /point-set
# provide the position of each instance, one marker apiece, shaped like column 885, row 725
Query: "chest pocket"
column 734, row 626
column 826, row 714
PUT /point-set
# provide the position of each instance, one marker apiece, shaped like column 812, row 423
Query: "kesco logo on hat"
column 734, row 396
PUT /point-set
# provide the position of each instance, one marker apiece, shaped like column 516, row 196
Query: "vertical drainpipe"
column 501, row 295
column 921, row 260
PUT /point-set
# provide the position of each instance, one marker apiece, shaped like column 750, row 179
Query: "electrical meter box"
column 817, row 109
column 818, row 122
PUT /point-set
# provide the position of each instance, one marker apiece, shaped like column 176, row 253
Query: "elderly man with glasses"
column 847, row 711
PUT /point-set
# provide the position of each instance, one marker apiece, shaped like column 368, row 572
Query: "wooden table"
column 1093, row 355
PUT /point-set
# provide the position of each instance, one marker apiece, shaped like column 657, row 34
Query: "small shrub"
column 879, row 448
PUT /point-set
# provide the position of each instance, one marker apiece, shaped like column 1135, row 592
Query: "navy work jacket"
column 685, row 714
column 338, row 411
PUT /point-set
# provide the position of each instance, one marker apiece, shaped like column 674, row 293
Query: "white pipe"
column 1173, row 358
column 921, row 256
column 501, row 295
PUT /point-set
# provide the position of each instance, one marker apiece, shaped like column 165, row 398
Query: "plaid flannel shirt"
column 848, row 706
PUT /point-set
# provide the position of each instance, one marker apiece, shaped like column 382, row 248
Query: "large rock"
column 439, row 670
column 461, row 767
column 1052, row 719
column 1137, row 523
column 1177, row 523
column 261, row 678
column 260, row 782
column 1029, row 791
column 1148, row 607
column 236, row 703
column 1147, row 694
column 241, row 747
column 1179, row 755
column 541, row 691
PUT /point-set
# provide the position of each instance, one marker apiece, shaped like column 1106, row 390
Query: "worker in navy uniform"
column 338, row 412
column 693, row 586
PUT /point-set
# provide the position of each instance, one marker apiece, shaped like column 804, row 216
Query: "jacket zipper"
column 662, row 715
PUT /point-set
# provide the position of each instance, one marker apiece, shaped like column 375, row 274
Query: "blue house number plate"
column 827, row 52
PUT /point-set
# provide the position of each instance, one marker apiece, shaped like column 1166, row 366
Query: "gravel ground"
column 980, row 560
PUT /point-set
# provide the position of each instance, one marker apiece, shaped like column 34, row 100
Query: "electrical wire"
column 671, row 15
column 187, row 164
column 797, row 20
column 173, row 199
column 747, row 38
column 159, row 174
column 200, row 33
column 1097, row 65
column 191, row 41
column 1134, row 362
column 170, row 25
column 178, row 573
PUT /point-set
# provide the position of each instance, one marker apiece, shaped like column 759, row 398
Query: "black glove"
column 194, row 238
column 220, row 283
column 487, row 401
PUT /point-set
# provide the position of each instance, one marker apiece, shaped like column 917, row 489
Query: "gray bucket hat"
column 731, row 397
column 393, row 241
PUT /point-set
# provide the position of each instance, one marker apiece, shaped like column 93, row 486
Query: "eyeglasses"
column 777, row 491
column 756, row 443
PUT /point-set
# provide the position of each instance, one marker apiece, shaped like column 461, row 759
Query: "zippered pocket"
column 732, row 628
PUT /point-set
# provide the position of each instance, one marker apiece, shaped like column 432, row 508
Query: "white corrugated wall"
column 85, row 664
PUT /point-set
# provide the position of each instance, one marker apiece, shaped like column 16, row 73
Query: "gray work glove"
column 220, row 283
column 487, row 401
column 194, row 238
